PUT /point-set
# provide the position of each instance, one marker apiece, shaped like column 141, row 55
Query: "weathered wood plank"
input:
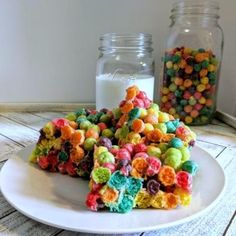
column 220, row 135
column 49, row 115
column 215, row 222
column 18, row 224
column 231, row 231
column 8, row 148
column 70, row 233
column 27, row 119
column 17, row 132
column 213, row 149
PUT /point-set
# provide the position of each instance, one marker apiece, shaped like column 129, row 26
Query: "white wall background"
column 48, row 48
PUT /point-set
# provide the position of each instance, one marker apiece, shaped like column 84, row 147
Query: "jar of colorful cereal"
column 192, row 62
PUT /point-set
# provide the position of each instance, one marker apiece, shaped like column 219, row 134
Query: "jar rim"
column 193, row 7
column 113, row 35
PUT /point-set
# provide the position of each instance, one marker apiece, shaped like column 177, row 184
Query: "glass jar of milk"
column 124, row 60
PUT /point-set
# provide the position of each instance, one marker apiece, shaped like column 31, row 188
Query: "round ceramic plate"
column 58, row 200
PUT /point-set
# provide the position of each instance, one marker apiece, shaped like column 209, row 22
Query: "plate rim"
column 119, row 230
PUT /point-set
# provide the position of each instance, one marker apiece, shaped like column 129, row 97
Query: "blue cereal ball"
column 176, row 143
column 170, row 127
column 190, row 166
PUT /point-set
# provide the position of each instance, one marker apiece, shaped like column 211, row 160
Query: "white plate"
column 58, row 200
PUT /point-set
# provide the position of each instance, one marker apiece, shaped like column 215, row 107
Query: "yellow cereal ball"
column 163, row 117
column 184, row 196
column 204, row 80
column 169, row 64
column 165, row 90
column 164, row 99
column 188, row 119
column 148, row 127
column 202, row 100
column 172, row 111
column 201, row 87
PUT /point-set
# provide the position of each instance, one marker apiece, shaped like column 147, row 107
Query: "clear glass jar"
column 192, row 62
column 124, row 60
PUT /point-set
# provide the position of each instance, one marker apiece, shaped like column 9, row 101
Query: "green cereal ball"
column 106, row 157
column 175, row 152
column 178, row 93
column 154, row 151
column 80, row 119
column 101, row 175
column 205, row 64
column 183, row 102
column 116, row 113
column 105, row 118
column 176, row 58
column 172, row 87
column 173, row 161
column 133, row 186
column 63, row 156
column 204, row 119
column 93, row 118
column 89, row 144
column 185, row 154
column 118, row 133
column 212, row 75
column 154, row 106
column 179, row 109
column 170, row 72
column 163, row 147
column 107, row 133
column 196, row 82
column 192, row 101
column 84, row 125
column 197, row 67
column 134, row 113
column 201, row 50
column 71, row 116
column 80, row 112
column 194, row 53
column 170, row 127
column 161, row 126
column 213, row 61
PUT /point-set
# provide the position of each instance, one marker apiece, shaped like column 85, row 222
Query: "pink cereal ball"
column 197, row 95
column 187, row 95
column 171, row 96
column 198, row 106
column 110, row 166
column 140, row 154
column 129, row 147
column 137, row 102
column 123, row 154
column 168, row 105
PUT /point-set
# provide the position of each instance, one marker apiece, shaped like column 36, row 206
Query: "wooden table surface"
column 18, row 130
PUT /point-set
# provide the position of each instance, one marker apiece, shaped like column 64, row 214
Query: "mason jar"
column 124, row 60
column 191, row 64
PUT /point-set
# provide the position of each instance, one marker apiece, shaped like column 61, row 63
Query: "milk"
column 110, row 89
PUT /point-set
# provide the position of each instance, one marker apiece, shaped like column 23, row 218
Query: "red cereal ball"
column 209, row 102
column 140, row 147
column 198, row 106
column 188, row 108
column 142, row 95
column 62, row 168
column 168, row 105
column 110, row 166
column 147, row 102
column 171, row 96
column 123, row 154
column 197, row 95
column 43, row 162
column 102, row 126
column 194, row 113
column 70, row 169
column 187, row 95
column 183, row 180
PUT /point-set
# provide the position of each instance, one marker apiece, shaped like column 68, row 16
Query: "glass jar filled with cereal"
column 192, row 62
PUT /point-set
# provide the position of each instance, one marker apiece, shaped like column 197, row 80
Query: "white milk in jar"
column 111, row 89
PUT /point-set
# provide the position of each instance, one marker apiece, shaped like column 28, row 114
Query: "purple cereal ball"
column 104, row 141
column 153, row 186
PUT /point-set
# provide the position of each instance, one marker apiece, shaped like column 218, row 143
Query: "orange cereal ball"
column 199, row 57
column 138, row 126
column 172, row 111
column 203, row 72
column 66, row 132
column 188, row 69
column 127, row 107
column 188, row 108
column 201, row 87
column 194, row 113
column 171, row 201
column 151, row 118
column 182, row 63
column 178, row 81
column 167, row 175
column 155, row 135
column 92, row 133
column 77, row 154
column 187, row 83
column 209, row 102
column 131, row 92
column 77, row 138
